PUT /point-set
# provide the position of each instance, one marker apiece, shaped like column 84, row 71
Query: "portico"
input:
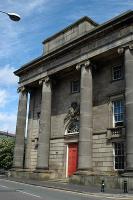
column 84, row 81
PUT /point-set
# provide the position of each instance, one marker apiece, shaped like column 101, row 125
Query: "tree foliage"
column 6, row 152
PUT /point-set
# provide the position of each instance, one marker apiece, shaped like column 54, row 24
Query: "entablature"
column 87, row 47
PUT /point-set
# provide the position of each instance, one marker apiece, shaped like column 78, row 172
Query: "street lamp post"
column 12, row 16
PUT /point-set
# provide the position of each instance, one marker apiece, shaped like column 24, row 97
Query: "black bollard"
column 102, row 186
column 125, row 187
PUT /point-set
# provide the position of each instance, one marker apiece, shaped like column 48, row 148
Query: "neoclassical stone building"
column 80, row 107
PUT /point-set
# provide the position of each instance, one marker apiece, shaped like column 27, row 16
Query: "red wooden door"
column 72, row 158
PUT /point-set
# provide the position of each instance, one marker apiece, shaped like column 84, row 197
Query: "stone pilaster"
column 18, row 161
column 44, row 127
column 129, row 106
column 85, row 134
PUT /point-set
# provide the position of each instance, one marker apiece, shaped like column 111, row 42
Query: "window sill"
column 112, row 81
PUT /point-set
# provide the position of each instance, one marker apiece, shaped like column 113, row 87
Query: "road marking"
column 28, row 193
column 57, row 189
column 3, row 186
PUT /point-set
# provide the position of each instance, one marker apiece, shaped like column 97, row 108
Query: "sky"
column 21, row 42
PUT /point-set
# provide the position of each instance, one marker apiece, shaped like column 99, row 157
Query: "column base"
column 17, row 169
column 33, row 174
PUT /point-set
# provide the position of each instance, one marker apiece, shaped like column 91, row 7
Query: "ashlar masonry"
column 80, row 120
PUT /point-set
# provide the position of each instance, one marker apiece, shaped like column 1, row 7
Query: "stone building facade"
column 80, row 105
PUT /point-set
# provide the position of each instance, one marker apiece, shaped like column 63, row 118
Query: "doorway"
column 72, row 158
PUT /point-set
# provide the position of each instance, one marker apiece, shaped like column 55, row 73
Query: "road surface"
column 11, row 190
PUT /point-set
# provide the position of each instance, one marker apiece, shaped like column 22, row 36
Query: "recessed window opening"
column 75, row 86
column 118, row 113
column 117, row 72
column 119, row 156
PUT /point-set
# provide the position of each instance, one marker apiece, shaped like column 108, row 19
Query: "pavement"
column 66, row 186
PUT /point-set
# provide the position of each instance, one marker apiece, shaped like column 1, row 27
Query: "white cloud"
column 35, row 4
column 7, row 122
column 3, row 97
column 7, row 76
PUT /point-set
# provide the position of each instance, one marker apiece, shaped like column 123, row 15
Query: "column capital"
column 21, row 89
column 78, row 67
column 46, row 79
column 121, row 50
column 131, row 46
column 85, row 64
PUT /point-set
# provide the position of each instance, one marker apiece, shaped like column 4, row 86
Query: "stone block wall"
column 102, row 154
column 67, row 35
column 103, row 85
column 61, row 102
column 100, row 117
column 103, row 88
column 57, row 157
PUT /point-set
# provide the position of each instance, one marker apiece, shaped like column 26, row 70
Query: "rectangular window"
column 118, row 113
column 75, row 86
column 119, row 155
column 116, row 73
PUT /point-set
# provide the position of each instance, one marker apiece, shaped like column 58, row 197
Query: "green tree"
column 6, row 152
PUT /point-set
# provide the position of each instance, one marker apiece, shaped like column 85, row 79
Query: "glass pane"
column 118, row 109
column 73, row 127
column 117, row 72
column 119, row 155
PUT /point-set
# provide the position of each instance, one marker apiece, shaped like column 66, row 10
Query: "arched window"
column 72, row 127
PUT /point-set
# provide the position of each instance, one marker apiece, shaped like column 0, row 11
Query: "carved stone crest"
column 73, row 113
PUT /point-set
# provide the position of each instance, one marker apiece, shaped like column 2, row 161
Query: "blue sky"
column 20, row 42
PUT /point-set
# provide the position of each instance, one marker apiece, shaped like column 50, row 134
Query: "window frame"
column 113, row 73
column 120, row 156
column 70, row 124
column 119, row 114
column 72, row 86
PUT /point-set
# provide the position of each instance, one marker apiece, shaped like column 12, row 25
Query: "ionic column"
column 44, row 127
column 85, row 134
column 129, row 105
column 20, row 129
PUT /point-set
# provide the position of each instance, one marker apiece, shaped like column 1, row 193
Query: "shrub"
column 6, row 153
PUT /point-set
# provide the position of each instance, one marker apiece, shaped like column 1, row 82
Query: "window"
column 73, row 127
column 118, row 113
column 75, row 86
column 119, row 156
column 116, row 73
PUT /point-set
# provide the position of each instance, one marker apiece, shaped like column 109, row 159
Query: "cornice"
column 101, row 29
